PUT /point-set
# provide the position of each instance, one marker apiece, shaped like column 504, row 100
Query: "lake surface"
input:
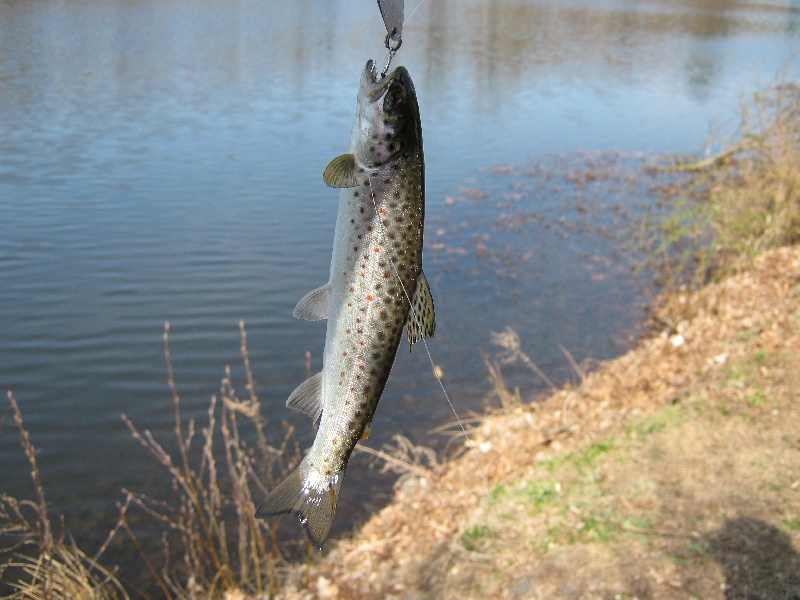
column 161, row 161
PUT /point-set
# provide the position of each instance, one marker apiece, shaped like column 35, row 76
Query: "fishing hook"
column 392, row 50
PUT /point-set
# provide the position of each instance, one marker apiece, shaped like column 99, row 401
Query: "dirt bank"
column 670, row 472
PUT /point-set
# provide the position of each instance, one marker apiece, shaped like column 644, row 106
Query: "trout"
column 375, row 290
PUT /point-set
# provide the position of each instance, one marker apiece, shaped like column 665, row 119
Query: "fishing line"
column 382, row 231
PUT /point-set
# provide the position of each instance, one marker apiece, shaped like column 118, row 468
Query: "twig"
column 408, row 467
column 711, row 161
column 575, row 366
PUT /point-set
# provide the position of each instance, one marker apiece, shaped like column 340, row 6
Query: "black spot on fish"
column 381, row 335
column 355, row 194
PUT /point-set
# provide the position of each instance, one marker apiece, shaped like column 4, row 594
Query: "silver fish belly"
column 376, row 288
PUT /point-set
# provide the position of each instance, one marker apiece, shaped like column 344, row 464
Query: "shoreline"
column 439, row 535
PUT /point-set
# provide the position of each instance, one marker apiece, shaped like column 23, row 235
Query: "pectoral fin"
column 341, row 172
column 367, row 431
column 421, row 322
column 314, row 305
column 307, row 397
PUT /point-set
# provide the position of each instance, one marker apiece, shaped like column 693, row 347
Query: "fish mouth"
column 372, row 85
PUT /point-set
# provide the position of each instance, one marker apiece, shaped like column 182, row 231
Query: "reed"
column 212, row 545
column 35, row 563
column 212, row 542
column 724, row 209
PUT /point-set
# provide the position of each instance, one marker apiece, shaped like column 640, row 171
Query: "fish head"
column 387, row 121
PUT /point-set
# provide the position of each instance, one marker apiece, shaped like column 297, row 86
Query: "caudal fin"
column 308, row 495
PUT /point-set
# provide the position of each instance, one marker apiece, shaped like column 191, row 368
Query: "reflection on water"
column 161, row 161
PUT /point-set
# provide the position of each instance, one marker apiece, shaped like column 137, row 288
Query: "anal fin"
column 307, row 397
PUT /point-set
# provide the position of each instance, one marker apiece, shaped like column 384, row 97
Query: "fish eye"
column 393, row 99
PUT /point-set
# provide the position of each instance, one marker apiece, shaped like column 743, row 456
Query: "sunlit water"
column 161, row 161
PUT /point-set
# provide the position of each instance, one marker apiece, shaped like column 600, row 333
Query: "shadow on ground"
column 758, row 559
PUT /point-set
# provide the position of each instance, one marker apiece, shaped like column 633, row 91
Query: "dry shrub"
column 210, row 524
column 725, row 209
column 35, row 563
column 212, row 544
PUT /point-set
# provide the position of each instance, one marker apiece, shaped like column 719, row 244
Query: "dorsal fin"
column 341, row 172
column 314, row 305
column 421, row 320
column 307, row 397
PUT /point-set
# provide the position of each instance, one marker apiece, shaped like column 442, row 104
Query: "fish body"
column 376, row 288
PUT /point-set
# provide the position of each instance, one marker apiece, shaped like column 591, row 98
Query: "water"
column 162, row 161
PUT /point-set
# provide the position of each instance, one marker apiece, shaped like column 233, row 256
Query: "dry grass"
column 221, row 546
column 36, row 563
column 212, row 544
column 730, row 207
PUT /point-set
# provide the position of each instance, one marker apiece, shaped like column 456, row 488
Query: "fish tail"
column 310, row 497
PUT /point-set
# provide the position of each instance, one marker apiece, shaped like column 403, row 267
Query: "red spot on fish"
column 369, row 298
column 384, row 211
column 352, row 289
column 377, row 249
column 360, row 342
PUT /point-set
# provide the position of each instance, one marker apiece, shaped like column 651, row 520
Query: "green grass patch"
column 757, row 398
column 538, row 494
column 792, row 524
column 645, row 427
column 472, row 537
